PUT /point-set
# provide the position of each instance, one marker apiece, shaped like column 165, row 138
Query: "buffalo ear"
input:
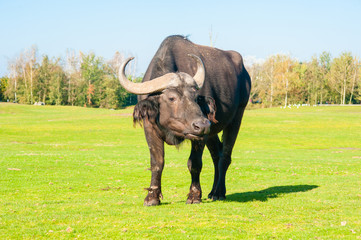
column 208, row 107
column 146, row 109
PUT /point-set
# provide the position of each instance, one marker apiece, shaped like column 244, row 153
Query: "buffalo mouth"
column 197, row 136
column 191, row 136
column 198, row 130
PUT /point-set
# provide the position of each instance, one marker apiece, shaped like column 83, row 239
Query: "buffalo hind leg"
column 229, row 138
column 195, row 168
column 214, row 146
column 156, row 148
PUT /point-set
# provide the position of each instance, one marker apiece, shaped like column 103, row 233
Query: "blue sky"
column 135, row 27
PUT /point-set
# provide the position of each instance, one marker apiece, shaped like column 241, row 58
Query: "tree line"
column 87, row 80
column 79, row 80
column 281, row 80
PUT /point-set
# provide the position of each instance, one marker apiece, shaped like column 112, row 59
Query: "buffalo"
column 193, row 92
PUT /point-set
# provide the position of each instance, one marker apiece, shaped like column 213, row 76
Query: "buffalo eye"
column 171, row 99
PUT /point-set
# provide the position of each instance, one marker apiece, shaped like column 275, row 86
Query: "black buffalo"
column 191, row 92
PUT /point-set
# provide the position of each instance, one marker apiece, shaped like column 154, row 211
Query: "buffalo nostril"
column 196, row 126
column 201, row 126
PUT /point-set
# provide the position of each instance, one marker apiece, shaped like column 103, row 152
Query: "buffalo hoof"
column 153, row 197
column 193, row 201
column 194, row 196
column 151, row 202
column 218, row 198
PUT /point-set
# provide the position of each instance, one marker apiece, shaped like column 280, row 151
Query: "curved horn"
column 201, row 73
column 155, row 85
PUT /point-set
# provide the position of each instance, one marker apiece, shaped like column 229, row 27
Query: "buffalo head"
column 173, row 106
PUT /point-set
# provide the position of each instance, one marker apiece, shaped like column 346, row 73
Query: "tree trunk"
column 344, row 92
column 26, row 85
column 286, row 97
column 69, row 91
column 353, row 84
column 271, row 80
column 271, row 93
column 15, row 90
column 31, row 83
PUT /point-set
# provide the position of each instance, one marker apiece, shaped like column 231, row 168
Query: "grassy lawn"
column 70, row 172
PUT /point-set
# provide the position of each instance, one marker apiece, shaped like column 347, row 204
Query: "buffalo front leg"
column 229, row 138
column 214, row 146
column 156, row 148
column 195, row 168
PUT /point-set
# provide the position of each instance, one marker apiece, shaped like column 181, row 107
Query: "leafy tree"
column 341, row 75
column 275, row 80
column 51, row 80
column 109, row 93
column 355, row 81
column 266, row 82
column 298, row 91
column 358, row 82
column 285, row 77
column 325, row 66
column 92, row 72
column 57, row 93
column 3, row 85
column 313, row 79
column 255, row 72
column 12, row 90
column 43, row 76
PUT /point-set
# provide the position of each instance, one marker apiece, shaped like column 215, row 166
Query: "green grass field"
column 79, row 173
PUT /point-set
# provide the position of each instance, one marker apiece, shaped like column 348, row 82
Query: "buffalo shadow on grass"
column 272, row 192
